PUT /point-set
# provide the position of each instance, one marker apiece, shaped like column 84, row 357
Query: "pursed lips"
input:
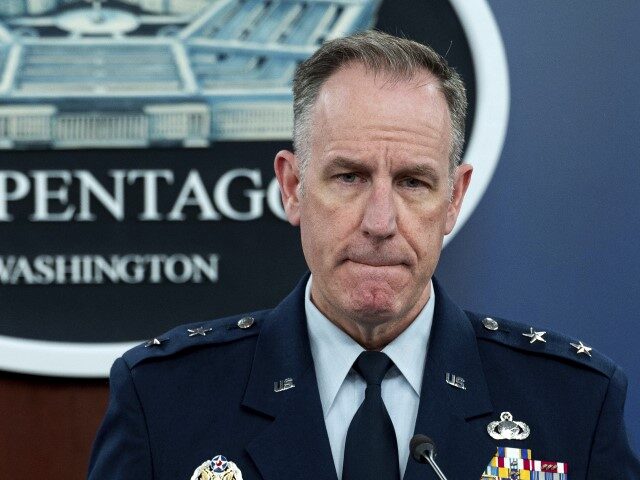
column 377, row 261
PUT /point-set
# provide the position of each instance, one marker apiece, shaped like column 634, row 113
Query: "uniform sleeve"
column 121, row 450
column 611, row 455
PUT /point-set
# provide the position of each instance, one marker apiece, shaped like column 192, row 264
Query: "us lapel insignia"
column 508, row 429
column 283, row 385
column 455, row 381
column 218, row 468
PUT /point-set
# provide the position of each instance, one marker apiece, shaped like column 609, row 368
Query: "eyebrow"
column 416, row 170
column 346, row 163
column 422, row 170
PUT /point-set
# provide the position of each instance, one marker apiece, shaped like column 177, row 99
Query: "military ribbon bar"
column 517, row 464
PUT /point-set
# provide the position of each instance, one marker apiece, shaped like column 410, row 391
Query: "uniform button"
column 245, row 322
column 489, row 323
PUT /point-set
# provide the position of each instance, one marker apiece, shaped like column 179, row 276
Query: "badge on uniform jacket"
column 508, row 429
column 217, row 468
column 518, row 464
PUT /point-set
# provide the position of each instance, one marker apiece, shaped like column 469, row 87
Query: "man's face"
column 376, row 201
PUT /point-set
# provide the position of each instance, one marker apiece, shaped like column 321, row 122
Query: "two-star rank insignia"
column 535, row 336
column 198, row 331
column 154, row 342
column 582, row 348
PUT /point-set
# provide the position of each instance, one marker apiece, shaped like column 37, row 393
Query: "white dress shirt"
column 342, row 389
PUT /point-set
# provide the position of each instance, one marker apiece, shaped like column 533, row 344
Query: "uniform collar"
column 456, row 419
column 334, row 351
column 283, row 351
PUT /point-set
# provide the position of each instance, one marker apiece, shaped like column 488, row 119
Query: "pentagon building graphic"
column 137, row 73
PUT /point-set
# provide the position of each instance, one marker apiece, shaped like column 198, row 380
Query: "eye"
column 413, row 183
column 347, row 177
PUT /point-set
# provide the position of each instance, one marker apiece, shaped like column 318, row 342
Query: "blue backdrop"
column 554, row 241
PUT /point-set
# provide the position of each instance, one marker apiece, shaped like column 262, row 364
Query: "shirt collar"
column 409, row 350
column 334, row 351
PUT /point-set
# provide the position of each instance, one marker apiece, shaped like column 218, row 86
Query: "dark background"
column 253, row 253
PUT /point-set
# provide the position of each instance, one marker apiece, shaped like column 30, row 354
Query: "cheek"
column 315, row 238
column 309, row 236
column 328, row 222
column 426, row 235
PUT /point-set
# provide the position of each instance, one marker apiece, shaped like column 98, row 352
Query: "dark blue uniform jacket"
column 177, row 404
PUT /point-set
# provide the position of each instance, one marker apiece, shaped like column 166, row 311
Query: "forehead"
column 356, row 103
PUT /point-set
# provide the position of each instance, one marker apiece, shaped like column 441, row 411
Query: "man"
column 368, row 350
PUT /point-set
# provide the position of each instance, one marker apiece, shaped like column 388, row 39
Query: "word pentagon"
column 72, row 195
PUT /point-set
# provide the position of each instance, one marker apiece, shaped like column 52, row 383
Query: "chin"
column 376, row 302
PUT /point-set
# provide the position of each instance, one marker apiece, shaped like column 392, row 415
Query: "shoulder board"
column 193, row 335
column 529, row 338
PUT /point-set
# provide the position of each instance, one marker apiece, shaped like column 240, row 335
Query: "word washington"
column 73, row 195
column 98, row 269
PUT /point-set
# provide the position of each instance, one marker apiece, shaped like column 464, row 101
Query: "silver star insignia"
column 535, row 336
column 155, row 342
column 582, row 348
column 198, row 331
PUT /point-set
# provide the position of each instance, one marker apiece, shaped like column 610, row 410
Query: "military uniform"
column 245, row 387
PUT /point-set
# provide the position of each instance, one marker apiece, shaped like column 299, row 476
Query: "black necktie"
column 371, row 449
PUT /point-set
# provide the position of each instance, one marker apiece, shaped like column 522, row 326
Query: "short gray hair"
column 379, row 52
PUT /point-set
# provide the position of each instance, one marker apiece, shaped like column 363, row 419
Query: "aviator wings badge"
column 218, row 468
column 507, row 429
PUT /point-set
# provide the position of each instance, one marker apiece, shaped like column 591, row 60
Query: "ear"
column 288, row 174
column 461, row 180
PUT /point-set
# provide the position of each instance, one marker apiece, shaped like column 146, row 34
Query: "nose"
column 379, row 218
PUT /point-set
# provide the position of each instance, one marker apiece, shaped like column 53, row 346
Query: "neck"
column 373, row 330
column 374, row 337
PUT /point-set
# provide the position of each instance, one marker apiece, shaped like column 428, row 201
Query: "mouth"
column 367, row 258
column 377, row 262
